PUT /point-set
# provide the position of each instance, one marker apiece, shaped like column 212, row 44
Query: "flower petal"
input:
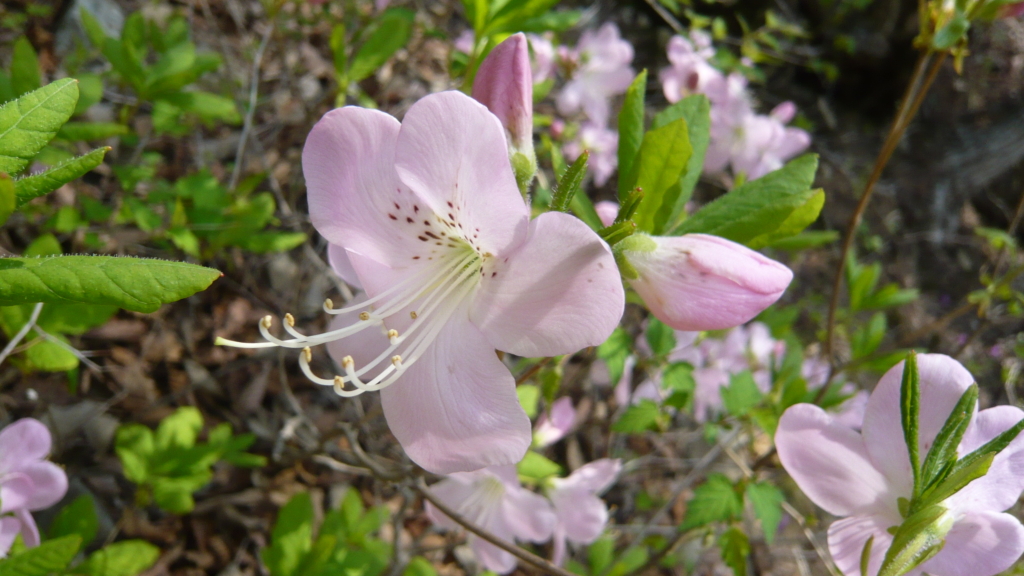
column 23, row 441
column 29, row 530
column 452, row 153
column 702, row 282
column 49, row 484
column 943, row 380
column 337, row 257
column 9, row 528
column 454, row 490
column 581, row 514
column 980, row 544
column 558, row 293
column 529, row 516
column 594, row 477
column 493, row 558
column 15, row 491
column 455, row 409
column 846, row 540
column 1001, row 486
column 829, row 462
column 352, row 187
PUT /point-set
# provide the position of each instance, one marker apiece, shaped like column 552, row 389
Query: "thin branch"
column 21, row 333
column 254, row 85
column 666, row 16
column 527, row 557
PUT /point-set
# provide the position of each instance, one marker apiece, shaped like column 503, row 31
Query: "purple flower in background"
column 601, row 63
column 603, row 145
column 465, row 42
column 27, row 481
column 494, row 500
column 543, row 57
column 607, row 211
column 690, row 72
column 553, row 425
column 581, row 514
column 765, row 143
column 860, row 475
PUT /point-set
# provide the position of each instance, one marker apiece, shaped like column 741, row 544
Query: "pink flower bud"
column 784, row 112
column 553, row 425
column 504, row 83
column 607, row 211
column 702, row 282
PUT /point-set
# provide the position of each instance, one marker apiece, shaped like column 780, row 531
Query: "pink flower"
column 543, row 57
column 702, row 282
column 553, row 425
column 27, row 481
column 465, row 42
column 581, row 515
column 602, row 61
column 1010, row 10
column 860, row 476
column 607, row 211
column 603, row 145
column 494, row 500
column 764, row 144
column 432, row 225
column 690, row 72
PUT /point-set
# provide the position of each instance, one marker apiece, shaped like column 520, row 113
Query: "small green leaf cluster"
column 346, row 542
column 201, row 217
column 603, row 561
column 377, row 42
column 169, row 465
column 74, row 529
column 161, row 65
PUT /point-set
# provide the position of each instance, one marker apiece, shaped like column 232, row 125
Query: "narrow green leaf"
column 919, row 538
column 696, row 110
column 954, row 481
column 419, row 566
column 291, row 539
column 49, row 557
column 7, row 197
column 664, row 154
column 951, row 33
column 992, row 447
column 756, row 207
column 569, row 183
column 135, row 284
column 942, row 455
column 78, row 518
column 125, row 558
column 208, row 107
column 75, row 131
column 30, row 122
column 25, row 76
column 537, row 468
column 800, row 218
column 583, row 208
column 134, row 447
column 735, row 548
column 631, row 131
column 910, row 410
column 865, row 554
column 390, row 32
column 43, row 183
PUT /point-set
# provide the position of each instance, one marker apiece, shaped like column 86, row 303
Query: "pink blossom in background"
column 603, row 144
column 690, row 72
column 765, row 144
column 851, row 412
column 1011, row 10
column 554, row 424
column 860, row 475
column 27, row 481
column 581, row 514
column 494, row 500
column 602, row 70
column 465, row 42
column 380, row 5
column 607, row 211
column 702, row 282
column 543, row 57
column 433, row 226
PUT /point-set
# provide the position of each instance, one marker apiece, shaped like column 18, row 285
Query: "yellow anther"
column 308, row 354
column 329, row 304
column 364, row 316
column 289, row 319
column 413, row 314
column 339, row 384
column 348, row 363
column 267, row 321
column 392, row 335
column 396, row 360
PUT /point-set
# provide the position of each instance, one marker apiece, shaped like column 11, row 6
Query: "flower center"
column 430, row 293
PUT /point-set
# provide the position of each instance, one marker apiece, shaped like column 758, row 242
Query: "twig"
column 21, row 333
column 666, row 16
column 928, row 65
column 822, row 555
column 340, row 466
column 74, row 351
column 254, row 85
column 527, row 557
column 532, row 371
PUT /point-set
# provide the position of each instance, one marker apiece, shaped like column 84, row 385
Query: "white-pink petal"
column 981, row 543
column 846, row 539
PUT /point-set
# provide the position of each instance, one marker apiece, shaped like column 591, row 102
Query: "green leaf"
column 175, row 494
column 917, row 539
column 537, row 468
column 767, row 501
column 179, row 430
column 910, row 410
column 90, row 91
column 640, row 417
column 268, row 242
column 735, row 548
column 8, row 192
column 49, row 557
column 208, row 107
column 614, row 352
column 528, row 396
column 952, row 32
column 78, row 518
column 390, row 32
column 716, row 500
column 43, row 183
column 756, row 207
column 554, row 21
column 291, row 539
column 741, row 394
column 125, row 558
column 75, row 131
column 134, row 446
column 942, row 455
column 628, row 562
column 696, row 110
column 631, row 131
column 806, row 239
column 795, row 223
column 866, row 339
column 993, row 446
column 954, row 481
column 419, row 566
column 660, row 337
column 135, row 284
column 600, row 554
column 25, row 75
column 320, row 554
column 513, row 13
column 569, row 183
column 664, row 154
column 30, row 122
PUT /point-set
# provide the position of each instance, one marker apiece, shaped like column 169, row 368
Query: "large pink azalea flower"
column 860, row 475
column 27, row 481
column 426, row 217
